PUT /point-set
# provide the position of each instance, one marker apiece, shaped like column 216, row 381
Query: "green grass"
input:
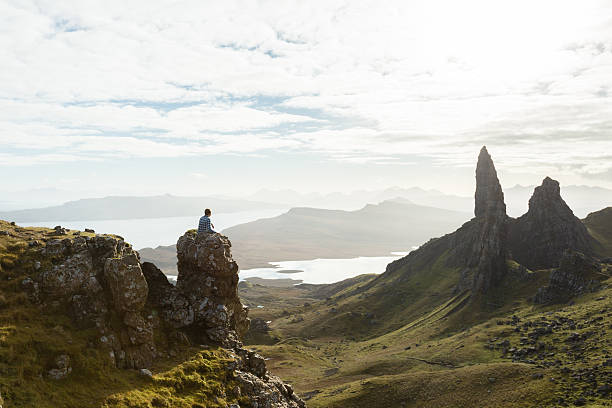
column 424, row 365
column 599, row 224
column 31, row 336
column 432, row 350
column 377, row 306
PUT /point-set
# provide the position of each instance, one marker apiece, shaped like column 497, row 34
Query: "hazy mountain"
column 116, row 207
column 35, row 198
column 356, row 199
column 309, row 233
column 582, row 199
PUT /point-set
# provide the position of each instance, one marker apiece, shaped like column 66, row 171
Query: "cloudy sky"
column 146, row 97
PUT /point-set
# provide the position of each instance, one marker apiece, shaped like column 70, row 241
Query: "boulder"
column 577, row 274
column 259, row 325
column 62, row 367
column 262, row 389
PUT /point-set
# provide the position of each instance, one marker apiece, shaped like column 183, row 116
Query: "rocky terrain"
column 502, row 312
column 76, row 306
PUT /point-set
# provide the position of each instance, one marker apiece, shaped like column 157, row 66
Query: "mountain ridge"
column 308, row 233
column 131, row 207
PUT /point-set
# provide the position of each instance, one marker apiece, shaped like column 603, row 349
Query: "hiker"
column 205, row 224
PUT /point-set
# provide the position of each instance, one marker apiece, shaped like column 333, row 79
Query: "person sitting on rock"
column 205, row 225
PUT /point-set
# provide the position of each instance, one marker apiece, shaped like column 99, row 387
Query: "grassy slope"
column 31, row 337
column 599, row 224
column 424, row 364
column 406, row 338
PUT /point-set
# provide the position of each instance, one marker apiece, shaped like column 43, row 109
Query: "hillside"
column 599, row 224
column 84, row 324
column 121, row 208
column 458, row 322
column 549, row 356
column 475, row 268
column 309, row 233
column 503, row 312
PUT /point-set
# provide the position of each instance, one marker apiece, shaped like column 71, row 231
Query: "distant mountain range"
column 582, row 199
column 120, row 208
column 357, row 199
column 309, row 233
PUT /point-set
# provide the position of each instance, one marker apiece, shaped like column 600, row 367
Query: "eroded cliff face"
column 99, row 282
column 139, row 316
column 539, row 238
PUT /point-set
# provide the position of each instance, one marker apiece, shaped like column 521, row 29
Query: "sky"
column 227, row 97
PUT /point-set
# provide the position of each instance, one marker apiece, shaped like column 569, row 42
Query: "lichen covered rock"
column 208, row 279
column 100, row 282
column 133, row 315
column 263, row 389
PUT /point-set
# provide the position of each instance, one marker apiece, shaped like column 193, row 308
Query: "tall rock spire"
column 490, row 251
column 489, row 195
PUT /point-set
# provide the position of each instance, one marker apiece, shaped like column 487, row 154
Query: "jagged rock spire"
column 489, row 195
column 539, row 238
column 546, row 194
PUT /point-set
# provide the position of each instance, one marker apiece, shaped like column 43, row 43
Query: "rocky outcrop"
column 577, row 274
column 208, row 278
column 205, row 305
column 129, row 313
column 205, row 301
column 490, row 210
column 265, row 390
column 539, row 238
column 98, row 280
column 139, row 316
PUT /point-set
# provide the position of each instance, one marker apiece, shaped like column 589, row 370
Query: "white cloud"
column 356, row 81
